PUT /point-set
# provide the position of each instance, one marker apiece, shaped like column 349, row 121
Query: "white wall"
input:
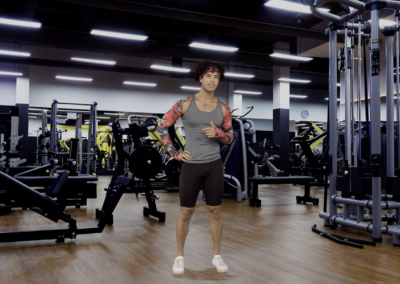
column 34, row 125
column 108, row 91
column 317, row 112
column 315, row 104
column 262, row 106
column 111, row 95
column 7, row 91
column 237, row 104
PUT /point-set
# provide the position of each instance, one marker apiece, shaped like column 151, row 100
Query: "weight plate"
column 145, row 162
column 173, row 170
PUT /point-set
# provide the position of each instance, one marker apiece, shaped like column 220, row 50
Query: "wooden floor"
column 271, row 244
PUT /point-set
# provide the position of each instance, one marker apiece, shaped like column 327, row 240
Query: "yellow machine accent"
column 319, row 130
column 156, row 136
column 63, row 143
column 101, row 143
column 69, row 127
column 180, row 138
column 102, row 135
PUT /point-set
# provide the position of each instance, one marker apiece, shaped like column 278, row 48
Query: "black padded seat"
column 303, row 180
column 39, row 177
column 56, row 187
column 281, row 180
column 79, row 188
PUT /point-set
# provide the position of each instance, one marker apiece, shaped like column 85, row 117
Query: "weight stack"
column 354, row 182
column 343, row 183
column 393, row 185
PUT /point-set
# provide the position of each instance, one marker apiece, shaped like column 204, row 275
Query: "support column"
column 22, row 102
column 333, row 136
column 348, row 92
column 390, row 153
column 375, row 124
column 281, row 106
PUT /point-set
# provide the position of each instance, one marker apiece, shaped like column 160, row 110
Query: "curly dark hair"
column 205, row 65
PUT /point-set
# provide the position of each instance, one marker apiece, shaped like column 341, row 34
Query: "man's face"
column 210, row 81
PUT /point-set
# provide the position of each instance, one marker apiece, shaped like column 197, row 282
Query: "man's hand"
column 210, row 131
column 185, row 156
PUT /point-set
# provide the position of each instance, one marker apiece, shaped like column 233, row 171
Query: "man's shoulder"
column 224, row 105
column 182, row 102
column 186, row 103
column 188, row 99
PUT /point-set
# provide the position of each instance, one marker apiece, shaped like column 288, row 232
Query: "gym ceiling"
column 171, row 25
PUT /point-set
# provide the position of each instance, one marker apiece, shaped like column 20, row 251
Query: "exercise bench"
column 303, row 180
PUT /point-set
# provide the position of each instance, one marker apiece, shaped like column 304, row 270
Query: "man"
column 205, row 120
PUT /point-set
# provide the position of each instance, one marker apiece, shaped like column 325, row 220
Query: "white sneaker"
column 219, row 264
column 178, row 265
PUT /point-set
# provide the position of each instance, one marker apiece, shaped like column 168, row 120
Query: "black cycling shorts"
column 193, row 176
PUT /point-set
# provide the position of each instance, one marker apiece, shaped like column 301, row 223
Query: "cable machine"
column 360, row 183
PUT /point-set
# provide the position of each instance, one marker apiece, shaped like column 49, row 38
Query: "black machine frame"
column 47, row 206
column 312, row 166
column 54, row 211
column 136, row 131
column 80, row 187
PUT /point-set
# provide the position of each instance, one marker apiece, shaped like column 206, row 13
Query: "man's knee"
column 185, row 214
column 214, row 212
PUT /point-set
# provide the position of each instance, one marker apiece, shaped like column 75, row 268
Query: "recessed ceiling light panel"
column 5, row 73
column 247, row 92
column 168, row 68
column 74, row 78
column 289, row 80
column 17, row 23
column 213, row 47
column 238, row 75
column 191, row 88
column 140, row 84
column 14, row 53
column 95, row 61
column 119, row 35
column 291, row 57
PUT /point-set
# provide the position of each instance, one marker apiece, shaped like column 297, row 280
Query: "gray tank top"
column 201, row 148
